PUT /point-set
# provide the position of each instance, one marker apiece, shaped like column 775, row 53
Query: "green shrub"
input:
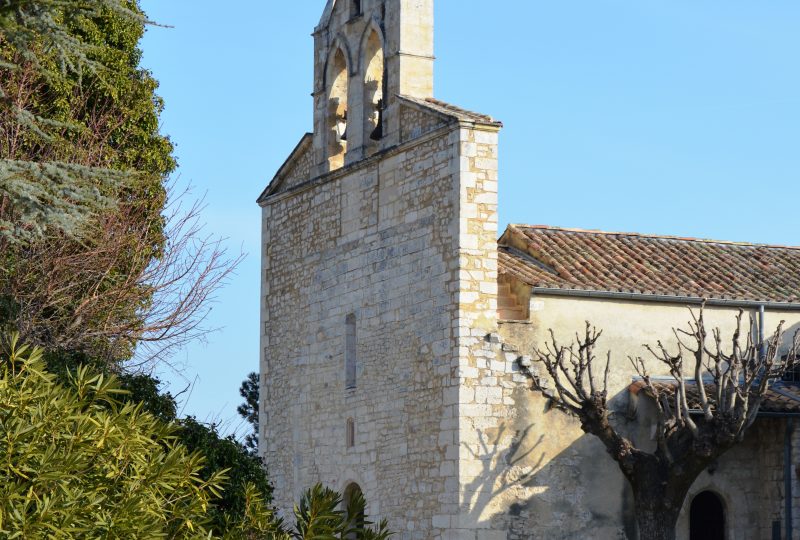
column 76, row 463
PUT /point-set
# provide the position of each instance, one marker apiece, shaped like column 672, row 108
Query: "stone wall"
column 415, row 123
column 391, row 239
column 749, row 480
column 450, row 442
column 300, row 170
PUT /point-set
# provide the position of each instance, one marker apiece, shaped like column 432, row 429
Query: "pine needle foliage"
column 250, row 391
column 28, row 24
column 73, row 108
column 52, row 196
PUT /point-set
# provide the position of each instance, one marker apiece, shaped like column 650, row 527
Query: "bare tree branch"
column 111, row 295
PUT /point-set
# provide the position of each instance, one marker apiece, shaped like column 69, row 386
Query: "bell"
column 341, row 127
column 377, row 133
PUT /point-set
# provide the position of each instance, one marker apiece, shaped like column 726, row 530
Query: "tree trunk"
column 656, row 523
column 658, row 492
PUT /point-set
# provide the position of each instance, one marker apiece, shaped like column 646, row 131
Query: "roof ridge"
column 650, row 235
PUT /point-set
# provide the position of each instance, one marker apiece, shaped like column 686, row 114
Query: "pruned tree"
column 693, row 428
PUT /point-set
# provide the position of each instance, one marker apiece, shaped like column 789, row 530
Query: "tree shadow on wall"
column 531, row 486
column 502, row 470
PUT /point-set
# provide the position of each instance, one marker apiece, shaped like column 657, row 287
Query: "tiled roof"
column 780, row 398
column 579, row 260
column 452, row 111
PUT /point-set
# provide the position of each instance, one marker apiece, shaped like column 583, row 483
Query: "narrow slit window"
column 351, row 433
column 350, row 360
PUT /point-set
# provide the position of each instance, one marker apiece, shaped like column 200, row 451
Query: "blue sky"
column 661, row 116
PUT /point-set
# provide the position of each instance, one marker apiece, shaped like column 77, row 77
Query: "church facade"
column 394, row 321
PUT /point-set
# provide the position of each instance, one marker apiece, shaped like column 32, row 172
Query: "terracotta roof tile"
column 571, row 259
column 780, row 398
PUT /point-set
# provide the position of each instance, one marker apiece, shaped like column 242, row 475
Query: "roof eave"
column 664, row 298
column 469, row 119
column 276, row 181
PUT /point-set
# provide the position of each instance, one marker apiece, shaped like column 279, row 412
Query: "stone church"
column 394, row 315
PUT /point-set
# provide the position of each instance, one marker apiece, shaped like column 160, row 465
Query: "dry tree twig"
column 112, row 296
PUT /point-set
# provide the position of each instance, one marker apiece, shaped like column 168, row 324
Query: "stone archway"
column 351, row 491
column 707, row 517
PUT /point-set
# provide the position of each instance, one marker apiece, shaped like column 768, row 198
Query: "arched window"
column 374, row 86
column 353, row 502
column 337, row 110
column 707, row 517
column 350, row 433
column 350, row 359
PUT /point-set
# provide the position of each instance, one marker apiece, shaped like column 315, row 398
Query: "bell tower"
column 379, row 264
column 366, row 54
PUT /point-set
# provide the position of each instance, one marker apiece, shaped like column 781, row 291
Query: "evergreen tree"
column 68, row 71
column 248, row 410
column 244, row 470
column 93, row 256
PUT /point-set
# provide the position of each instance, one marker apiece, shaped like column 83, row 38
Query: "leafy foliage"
column 146, row 390
column 79, row 464
column 244, row 471
column 319, row 516
column 247, row 482
column 248, row 410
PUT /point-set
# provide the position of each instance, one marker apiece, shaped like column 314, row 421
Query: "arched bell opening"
column 337, row 110
column 374, row 91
